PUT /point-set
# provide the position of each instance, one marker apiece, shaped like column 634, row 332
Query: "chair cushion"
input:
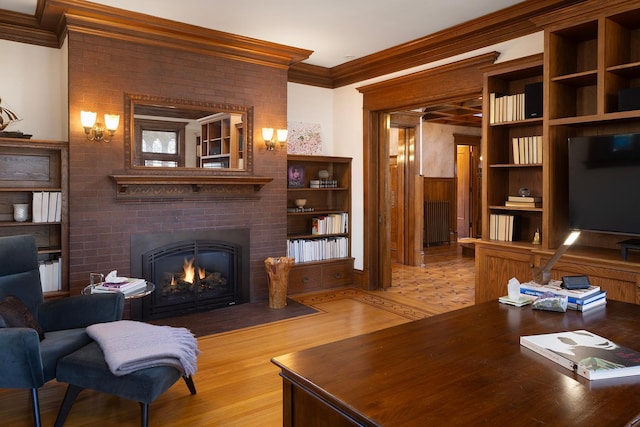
column 15, row 314
column 87, row 368
column 58, row 344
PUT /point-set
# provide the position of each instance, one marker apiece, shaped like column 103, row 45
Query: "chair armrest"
column 20, row 361
column 80, row 311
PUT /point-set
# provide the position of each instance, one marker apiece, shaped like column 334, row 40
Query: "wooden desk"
column 465, row 367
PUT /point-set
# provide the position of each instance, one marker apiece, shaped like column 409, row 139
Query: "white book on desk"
column 586, row 353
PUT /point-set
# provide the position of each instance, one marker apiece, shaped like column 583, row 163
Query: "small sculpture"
column 7, row 117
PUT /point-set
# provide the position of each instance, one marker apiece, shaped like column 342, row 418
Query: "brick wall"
column 101, row 71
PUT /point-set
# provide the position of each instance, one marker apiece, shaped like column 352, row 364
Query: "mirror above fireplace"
column 214, row 161
column 177, row 134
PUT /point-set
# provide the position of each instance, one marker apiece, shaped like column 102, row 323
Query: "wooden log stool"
column 278, row 272
column 86, row 368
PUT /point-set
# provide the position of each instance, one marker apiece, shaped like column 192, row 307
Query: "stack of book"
column 524, row 202
column 330, row 224
column 50, row 275
column 46, row 206
column 577, row 299
column 128, row 286
column 527, row 150
column 307, row 250
column 501, row 227
column 506, row 108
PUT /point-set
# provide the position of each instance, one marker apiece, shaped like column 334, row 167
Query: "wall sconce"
column 95, row 130
column 281, row 137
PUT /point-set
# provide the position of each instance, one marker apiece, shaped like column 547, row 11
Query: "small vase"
column 21, row 212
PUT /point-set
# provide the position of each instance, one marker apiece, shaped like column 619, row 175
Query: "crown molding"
column 503, row 25
column 54, row 17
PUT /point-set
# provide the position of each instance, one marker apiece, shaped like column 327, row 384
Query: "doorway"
column 452, row 82
column 467, row 174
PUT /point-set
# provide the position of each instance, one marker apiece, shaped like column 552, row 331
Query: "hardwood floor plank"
column 236, row 383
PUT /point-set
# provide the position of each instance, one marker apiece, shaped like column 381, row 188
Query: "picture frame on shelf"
column 295, row 176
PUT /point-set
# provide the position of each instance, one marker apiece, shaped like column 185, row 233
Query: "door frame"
column 448, row 83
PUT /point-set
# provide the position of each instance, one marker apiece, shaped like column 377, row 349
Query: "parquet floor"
column 446, row 282
column 236, row 382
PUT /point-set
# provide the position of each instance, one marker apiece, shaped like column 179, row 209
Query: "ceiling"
column 337, row 31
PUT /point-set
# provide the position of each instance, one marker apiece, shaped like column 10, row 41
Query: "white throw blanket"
column 129, row 346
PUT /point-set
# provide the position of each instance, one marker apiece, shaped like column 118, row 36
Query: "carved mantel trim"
column 159, row 187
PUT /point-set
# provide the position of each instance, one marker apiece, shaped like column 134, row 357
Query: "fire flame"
column 189, row 272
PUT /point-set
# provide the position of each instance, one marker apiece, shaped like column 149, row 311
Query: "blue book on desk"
column 571, row 300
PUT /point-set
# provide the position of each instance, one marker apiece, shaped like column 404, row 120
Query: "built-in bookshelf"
column 591, row 57
column 513, row 151
column 30, row 172
column 319, row 222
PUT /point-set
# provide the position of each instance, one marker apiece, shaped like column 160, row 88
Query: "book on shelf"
column 506, row 108
column 46, row 206
column 589, row 355
column 336, row 223
column 50, row 275
column 511, row 204
column 524, row 199
column 307, row 250
column 527, row 150
column 502, row 227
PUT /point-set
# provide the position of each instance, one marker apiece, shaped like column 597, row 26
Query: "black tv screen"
column 604, row 183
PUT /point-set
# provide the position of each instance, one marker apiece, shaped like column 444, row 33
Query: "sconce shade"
column 267, row 134
column 88, row 118
column 282, row 135
column 111, row 121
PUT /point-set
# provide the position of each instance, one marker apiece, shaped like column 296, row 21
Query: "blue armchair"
column 27, row 359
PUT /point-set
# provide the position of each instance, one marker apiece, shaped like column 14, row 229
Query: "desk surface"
column 465, row 367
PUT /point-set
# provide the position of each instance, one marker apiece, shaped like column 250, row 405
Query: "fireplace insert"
column 193, row 274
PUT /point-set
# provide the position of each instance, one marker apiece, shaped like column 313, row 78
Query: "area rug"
column 371, row 298
column 234, row 317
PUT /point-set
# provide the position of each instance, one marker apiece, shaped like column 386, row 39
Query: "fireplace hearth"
column 192, row 271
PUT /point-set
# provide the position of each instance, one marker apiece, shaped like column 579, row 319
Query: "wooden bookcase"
column 504, row 177
column 220, row 142
column 28, row 166
column 591, row 52
column 332, row 196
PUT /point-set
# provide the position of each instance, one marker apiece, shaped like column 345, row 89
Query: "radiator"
column 436, row 221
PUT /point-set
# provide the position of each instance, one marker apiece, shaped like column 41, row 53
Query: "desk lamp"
column 543, row 275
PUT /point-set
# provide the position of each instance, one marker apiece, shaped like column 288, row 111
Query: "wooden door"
column 463, row 211
column 397, row 232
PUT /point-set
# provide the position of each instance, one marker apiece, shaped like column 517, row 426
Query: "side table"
column 139, row 294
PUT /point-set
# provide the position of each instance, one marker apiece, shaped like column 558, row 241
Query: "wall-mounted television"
column 604, row 183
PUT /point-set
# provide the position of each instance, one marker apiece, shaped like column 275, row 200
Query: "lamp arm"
column 542, row 275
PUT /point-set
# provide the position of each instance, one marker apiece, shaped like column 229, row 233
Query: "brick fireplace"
column 101, row 225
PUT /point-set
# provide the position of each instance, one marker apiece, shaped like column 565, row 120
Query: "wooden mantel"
column 139, row 186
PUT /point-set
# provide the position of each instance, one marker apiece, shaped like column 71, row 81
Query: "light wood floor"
column 236, row 382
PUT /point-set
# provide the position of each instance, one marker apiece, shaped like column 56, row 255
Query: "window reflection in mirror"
column 167, row 133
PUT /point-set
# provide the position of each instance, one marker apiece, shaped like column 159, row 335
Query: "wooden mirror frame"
column 176, row 105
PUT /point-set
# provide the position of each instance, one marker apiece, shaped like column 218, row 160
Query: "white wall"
column 33, row 81
column 439, row 148
column 347, row 121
